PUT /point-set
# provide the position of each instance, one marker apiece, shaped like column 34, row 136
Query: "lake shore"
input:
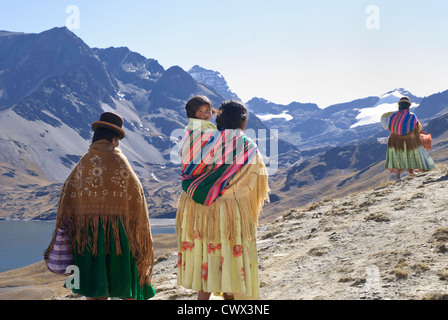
column 35, row 282
column 22, row 242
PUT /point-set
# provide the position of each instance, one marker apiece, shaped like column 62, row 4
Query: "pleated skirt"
column 218, row 267
column 408, row 159
column 110, row 274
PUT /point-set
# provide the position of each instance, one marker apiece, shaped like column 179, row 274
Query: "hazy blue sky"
column 322, row 51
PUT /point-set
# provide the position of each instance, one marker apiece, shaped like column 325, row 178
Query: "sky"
column 321, row 51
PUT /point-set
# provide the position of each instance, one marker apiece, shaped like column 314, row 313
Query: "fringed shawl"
column 210, row 159
column 245, row 194
column 407, row 142
column 103, row 188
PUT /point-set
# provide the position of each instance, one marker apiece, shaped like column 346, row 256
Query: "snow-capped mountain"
column 214, row 80
column 53, row 86
column 308, row 126
column 386, row 103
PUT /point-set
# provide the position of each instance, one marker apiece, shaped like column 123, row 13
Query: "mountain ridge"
column 48, row 129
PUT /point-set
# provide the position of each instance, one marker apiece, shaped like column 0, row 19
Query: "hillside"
column 53, row 86
column 388, row 242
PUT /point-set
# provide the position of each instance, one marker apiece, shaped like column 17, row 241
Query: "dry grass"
column 435, row 296
column 443, row 274
column 441, row 235
column 378, row 217
column 318, row 251
column 440, row 240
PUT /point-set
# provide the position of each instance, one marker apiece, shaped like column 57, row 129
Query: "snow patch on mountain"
column 269, row 116
column 387, row 103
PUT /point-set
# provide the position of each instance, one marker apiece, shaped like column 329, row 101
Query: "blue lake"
column 23, row 242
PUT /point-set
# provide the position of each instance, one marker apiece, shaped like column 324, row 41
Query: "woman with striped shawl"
column 225, row 185
column 404, row 149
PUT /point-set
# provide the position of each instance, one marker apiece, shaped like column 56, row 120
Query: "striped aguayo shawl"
column 400, row 122
column 210, row 159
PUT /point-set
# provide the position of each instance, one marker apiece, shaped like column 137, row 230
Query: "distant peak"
column 175, row 69
column 196, row 67
column 401, row 91
column 61, row 33
column 61, row 30
column 64, row 28
column 259, row 99
column 10, row 33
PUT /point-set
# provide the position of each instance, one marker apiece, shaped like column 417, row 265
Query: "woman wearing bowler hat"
column 103, row 211
column 405, row 151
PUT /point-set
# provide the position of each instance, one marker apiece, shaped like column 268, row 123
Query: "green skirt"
column 109, row 274
column 408, row 159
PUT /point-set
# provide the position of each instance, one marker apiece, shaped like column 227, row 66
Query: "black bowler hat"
column 405, row 99
column 111, row 121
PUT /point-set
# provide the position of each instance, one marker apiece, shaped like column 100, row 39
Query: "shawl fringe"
column 411, row 140
column 140, row 243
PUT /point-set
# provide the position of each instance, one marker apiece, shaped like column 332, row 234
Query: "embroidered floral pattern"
column 76, row 182
column 212, row 248
column 179, row 259
column 92, row 178
column 97, row 171
column 187, row 246
column 221, row 261
column 237, row 250
column 95, row 177
column 204, row 271
column 121, row 177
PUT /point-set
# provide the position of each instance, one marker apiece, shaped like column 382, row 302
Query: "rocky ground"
column 390, row 242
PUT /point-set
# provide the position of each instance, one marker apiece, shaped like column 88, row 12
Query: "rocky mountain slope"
column 53, row 86
column 309, row 127
column 62, row 85
column 388, row 242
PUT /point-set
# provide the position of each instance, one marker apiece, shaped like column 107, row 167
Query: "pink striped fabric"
column 402, row 122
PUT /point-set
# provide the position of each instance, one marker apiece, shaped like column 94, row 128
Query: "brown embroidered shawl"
column 104, row 188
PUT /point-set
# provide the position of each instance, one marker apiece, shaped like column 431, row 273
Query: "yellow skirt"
column 225, row 266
